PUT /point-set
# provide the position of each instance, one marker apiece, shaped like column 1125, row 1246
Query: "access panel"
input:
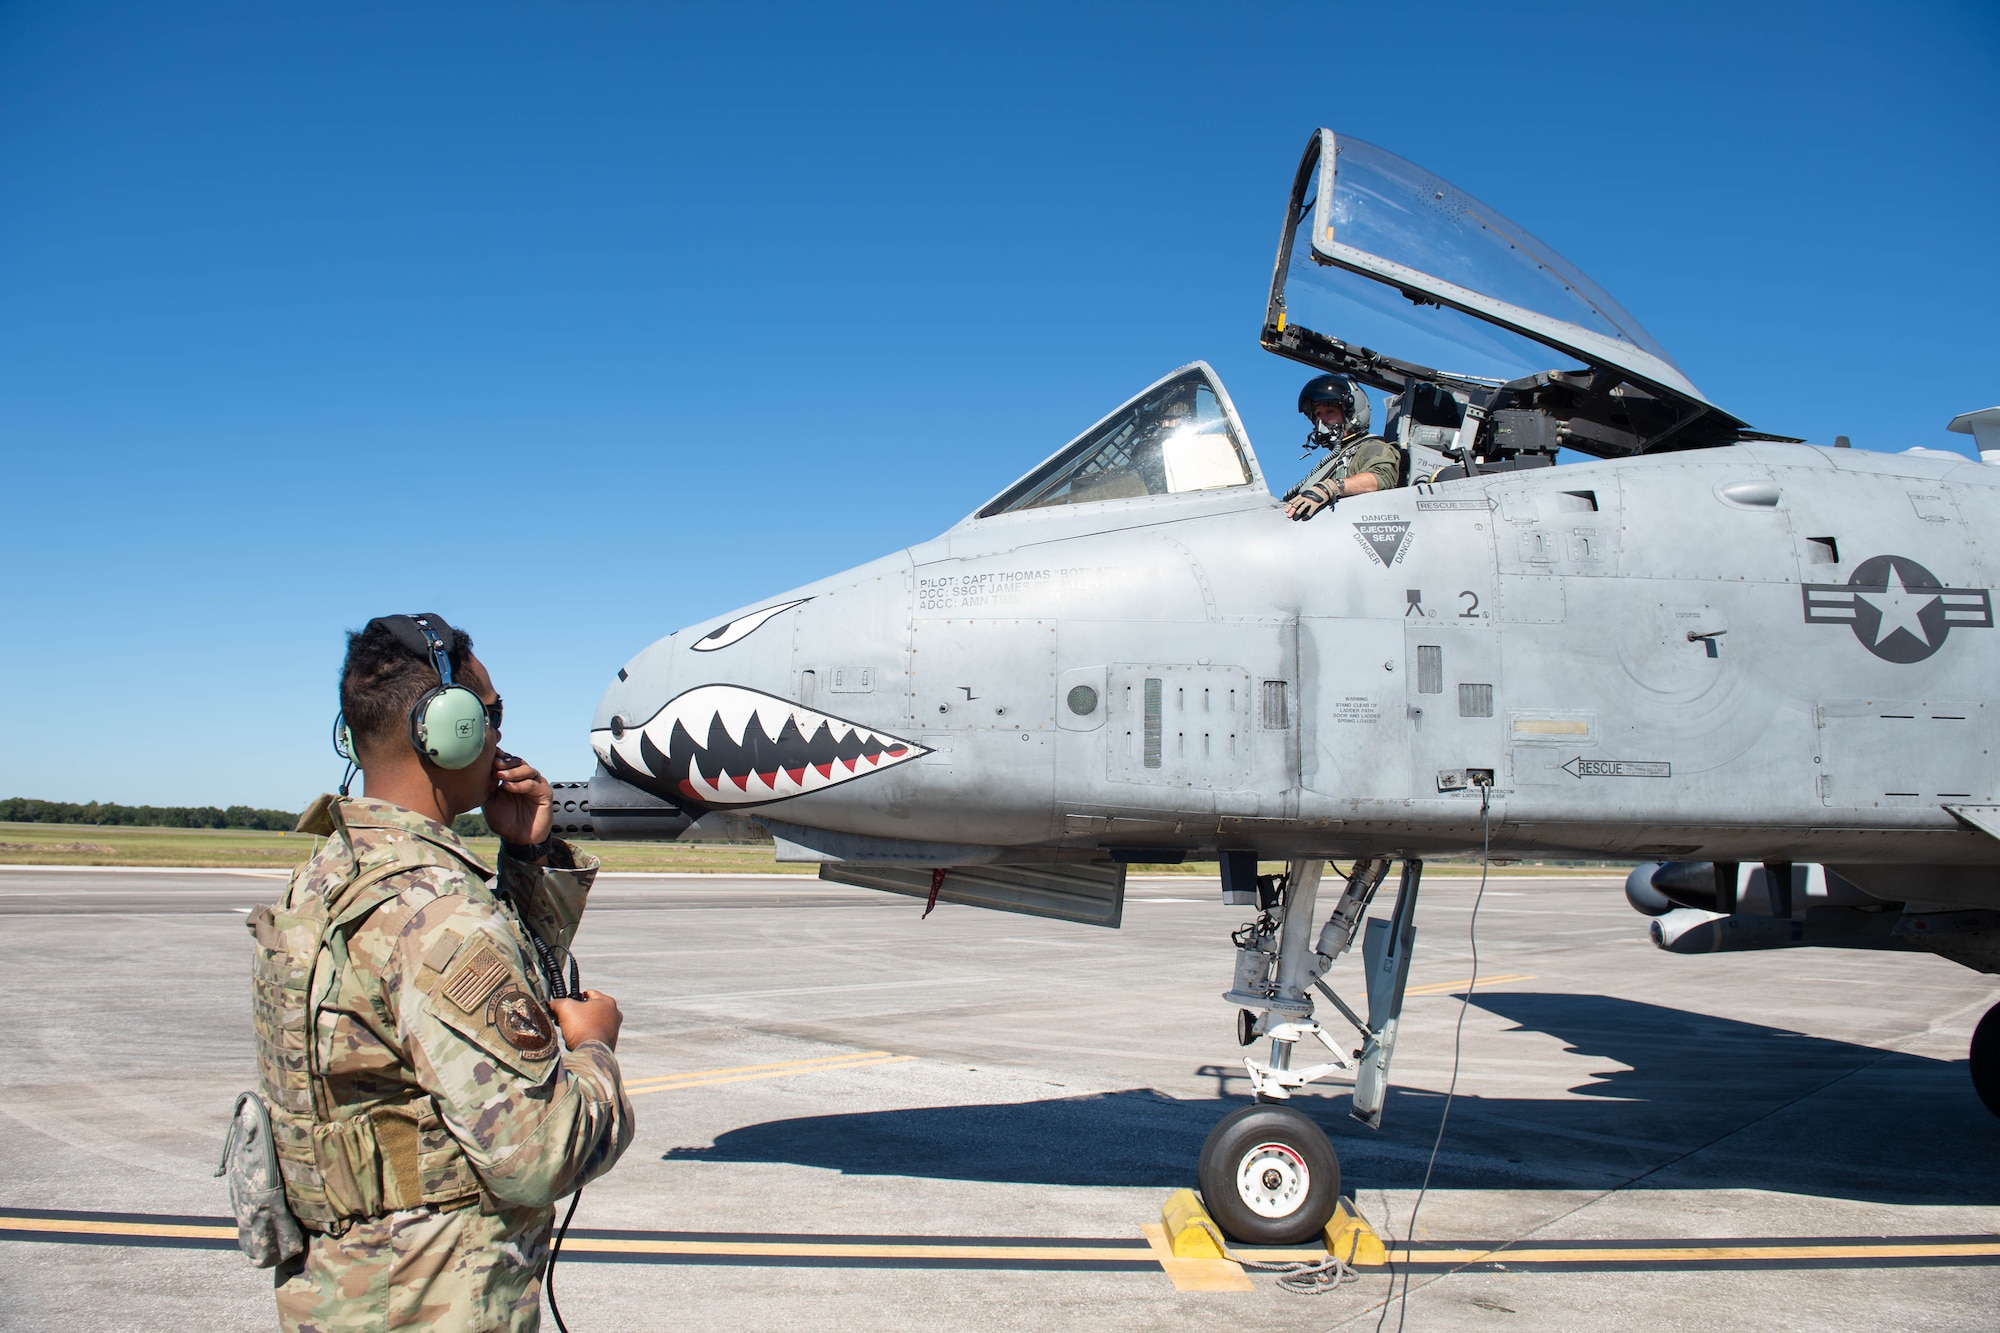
column 1891, row 752
column 984, row 675
column 1179, row 726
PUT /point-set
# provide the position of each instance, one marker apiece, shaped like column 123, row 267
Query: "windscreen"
column 1172, row 439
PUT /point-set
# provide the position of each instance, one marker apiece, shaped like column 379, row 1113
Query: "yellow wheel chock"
column 1191, row 1248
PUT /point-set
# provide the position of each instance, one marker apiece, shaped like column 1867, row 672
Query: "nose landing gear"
column 1269, row 1174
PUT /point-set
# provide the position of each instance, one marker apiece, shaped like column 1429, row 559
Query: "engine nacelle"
column 1657, row 888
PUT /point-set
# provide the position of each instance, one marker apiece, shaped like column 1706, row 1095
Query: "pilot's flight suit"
column 1371, row 454
column 1368, row 453
column 425, row 1112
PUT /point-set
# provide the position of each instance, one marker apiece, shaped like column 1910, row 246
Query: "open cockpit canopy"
column 1472, row 312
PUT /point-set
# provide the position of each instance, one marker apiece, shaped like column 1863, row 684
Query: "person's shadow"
column 1699, row 1102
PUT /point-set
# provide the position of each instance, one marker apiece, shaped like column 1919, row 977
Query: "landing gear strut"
column 1269, row 1174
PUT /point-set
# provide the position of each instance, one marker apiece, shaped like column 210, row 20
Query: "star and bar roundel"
column 1898, row 609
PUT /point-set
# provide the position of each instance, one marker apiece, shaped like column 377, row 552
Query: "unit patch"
column 1385, row 540
column 1898, row 609
column 475, row 979
column 519, row 1018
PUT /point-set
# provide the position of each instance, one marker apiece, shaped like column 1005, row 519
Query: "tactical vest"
column 342, row 1162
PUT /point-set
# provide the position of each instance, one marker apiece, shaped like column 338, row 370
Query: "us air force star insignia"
column 519, row 1018
column 1897, row 608
column 1385, row 540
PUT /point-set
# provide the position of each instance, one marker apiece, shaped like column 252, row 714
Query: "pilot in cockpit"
column 1360, row 463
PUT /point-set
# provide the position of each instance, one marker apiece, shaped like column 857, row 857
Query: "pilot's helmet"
column 1348, row 396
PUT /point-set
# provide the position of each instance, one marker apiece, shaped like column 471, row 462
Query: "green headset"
column 449, row 723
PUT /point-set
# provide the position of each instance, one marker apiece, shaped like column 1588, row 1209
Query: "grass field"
column 110, row 845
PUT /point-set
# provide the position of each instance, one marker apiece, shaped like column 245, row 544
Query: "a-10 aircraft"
column 1761, row 664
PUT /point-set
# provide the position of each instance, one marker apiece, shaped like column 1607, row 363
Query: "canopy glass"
column 1380, row 253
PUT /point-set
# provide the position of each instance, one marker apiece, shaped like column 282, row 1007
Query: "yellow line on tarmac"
column 752, row 1069
column 670, row 1084
column 1440, row 987
column 836, row 1250
column 163, row 1230
column 1704, row 1253
column 1055, row 1251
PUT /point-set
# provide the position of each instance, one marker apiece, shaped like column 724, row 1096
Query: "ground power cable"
column 1651, row 1171
column 1488, row 1256
column 1402, row 1302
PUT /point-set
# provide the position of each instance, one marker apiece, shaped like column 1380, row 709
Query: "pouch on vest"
column 266, row 1231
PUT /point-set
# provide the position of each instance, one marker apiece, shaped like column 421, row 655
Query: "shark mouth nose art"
column 723, row 745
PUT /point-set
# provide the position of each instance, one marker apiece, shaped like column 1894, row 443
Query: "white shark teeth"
column 770, row 748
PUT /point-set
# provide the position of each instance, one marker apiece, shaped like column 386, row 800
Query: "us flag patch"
column 468, row 990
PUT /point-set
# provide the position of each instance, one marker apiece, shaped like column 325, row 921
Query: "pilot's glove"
column 1310, row 501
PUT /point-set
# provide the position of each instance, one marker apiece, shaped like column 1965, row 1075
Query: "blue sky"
column 579, row 323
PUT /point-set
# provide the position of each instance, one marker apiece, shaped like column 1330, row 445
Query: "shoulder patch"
column 473, row 980
column 519, row 1018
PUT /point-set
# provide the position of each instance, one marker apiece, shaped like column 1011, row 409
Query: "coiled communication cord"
column 1402, row 1302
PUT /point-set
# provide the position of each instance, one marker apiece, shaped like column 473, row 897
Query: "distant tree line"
column 21, row 810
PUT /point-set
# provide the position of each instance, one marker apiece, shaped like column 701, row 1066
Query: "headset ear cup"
column 448, row 726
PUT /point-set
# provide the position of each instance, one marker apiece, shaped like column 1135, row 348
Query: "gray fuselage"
column 1701, row 655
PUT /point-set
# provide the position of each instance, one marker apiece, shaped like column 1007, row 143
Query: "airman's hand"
column 595, row 1017
column 522, row 807
column 1310, row 501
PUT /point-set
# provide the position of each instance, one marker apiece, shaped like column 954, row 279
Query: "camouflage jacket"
column 430, row 1006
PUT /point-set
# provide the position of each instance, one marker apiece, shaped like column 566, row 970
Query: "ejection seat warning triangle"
column 1385, row 541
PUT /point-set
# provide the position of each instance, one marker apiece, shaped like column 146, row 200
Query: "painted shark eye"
column 742, row 627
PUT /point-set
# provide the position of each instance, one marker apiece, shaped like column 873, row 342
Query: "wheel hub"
column 1272, row 1180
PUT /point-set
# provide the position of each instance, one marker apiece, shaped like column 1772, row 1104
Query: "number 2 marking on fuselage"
column 1470, row 612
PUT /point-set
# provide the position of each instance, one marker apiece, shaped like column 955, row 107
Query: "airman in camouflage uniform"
column 425, row 1110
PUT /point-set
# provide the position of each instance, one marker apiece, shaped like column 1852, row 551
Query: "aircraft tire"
column 1269, row 1175
column 1985, row 1059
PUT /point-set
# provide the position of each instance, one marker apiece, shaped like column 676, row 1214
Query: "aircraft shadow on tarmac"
column 1757, row 1107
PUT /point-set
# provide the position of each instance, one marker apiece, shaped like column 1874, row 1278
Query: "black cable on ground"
column 1402, row 1302
column 555, row 1249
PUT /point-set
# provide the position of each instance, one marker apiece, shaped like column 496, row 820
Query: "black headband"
column 436, row 645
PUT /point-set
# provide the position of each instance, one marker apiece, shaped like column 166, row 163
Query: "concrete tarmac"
column 843, row 1109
